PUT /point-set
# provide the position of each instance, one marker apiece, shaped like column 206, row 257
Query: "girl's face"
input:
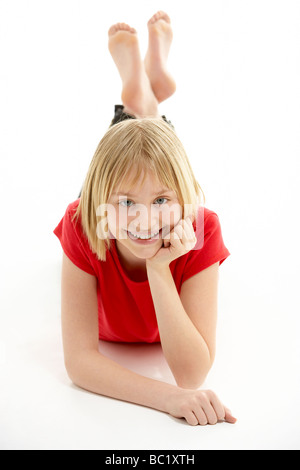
column 146, row 211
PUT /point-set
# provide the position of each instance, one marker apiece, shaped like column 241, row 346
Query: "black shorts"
column 121, row 116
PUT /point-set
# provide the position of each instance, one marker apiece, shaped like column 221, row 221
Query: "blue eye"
column 161, row 198
column 126, row 201
column 120, row 203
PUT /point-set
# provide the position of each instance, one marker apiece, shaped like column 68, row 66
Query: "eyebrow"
column 134, row 195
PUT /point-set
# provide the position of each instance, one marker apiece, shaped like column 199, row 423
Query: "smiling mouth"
column 144, row 239
column 154, row 235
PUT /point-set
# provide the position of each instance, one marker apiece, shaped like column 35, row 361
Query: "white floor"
column 256, row 374
column 245, row 154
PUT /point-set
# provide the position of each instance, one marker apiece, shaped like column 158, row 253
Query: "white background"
column 236, row 110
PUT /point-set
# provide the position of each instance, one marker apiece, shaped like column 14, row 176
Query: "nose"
column 147, row 221
column 143, row 230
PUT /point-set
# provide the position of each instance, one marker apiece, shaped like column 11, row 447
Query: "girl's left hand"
column 181, row 240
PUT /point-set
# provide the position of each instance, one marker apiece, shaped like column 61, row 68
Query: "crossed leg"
column 146, row 83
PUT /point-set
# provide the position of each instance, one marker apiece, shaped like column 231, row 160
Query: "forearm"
column 94, row 372
column 184, row 348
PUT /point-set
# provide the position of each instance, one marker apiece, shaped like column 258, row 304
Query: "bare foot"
column 160, row 39
column 137, row 95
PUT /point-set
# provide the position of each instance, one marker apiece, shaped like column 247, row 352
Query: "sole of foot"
column 160, row 40
column 137, row 94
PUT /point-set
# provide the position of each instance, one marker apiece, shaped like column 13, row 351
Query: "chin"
column 145, row 252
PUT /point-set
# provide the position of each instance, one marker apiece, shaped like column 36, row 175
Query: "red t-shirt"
column 125, row 307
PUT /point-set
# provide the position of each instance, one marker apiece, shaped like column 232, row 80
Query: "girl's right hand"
column 198, row 407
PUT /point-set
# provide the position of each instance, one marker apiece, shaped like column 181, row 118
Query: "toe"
column 126, row 27
column 160, row 15
column 163, row 16
column 120, row 27
column 112, row 30
column 167, row 18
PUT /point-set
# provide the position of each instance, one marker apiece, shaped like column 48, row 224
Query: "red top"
column 125, row 307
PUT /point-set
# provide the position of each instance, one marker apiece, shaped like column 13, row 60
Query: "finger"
column 181, row 231
column 218, row 407
column 168, row 235
column 210, row 413
column 189, row 222
column 191, row 217
column 228, row 417
column 191, row 418
column 201, row 416
column 178, row 234
column 176, row 244
column 183, row 236
column 189, row 238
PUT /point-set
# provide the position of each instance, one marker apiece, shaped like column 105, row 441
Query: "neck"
column 130, row 262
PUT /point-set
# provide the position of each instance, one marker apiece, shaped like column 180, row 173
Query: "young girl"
column 141, row 253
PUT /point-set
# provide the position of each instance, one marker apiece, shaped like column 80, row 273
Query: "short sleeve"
column 73, row 243
column 210, row 247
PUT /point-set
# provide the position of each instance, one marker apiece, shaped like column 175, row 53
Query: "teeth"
column 144, row 238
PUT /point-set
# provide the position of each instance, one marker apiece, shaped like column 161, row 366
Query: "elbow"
column 78, row 377
column 76, row 366
column 194, row 380
column 82, row 366
column 191, row 383
column 72, row 372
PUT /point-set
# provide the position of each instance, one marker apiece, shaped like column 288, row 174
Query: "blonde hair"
column 150, row 144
